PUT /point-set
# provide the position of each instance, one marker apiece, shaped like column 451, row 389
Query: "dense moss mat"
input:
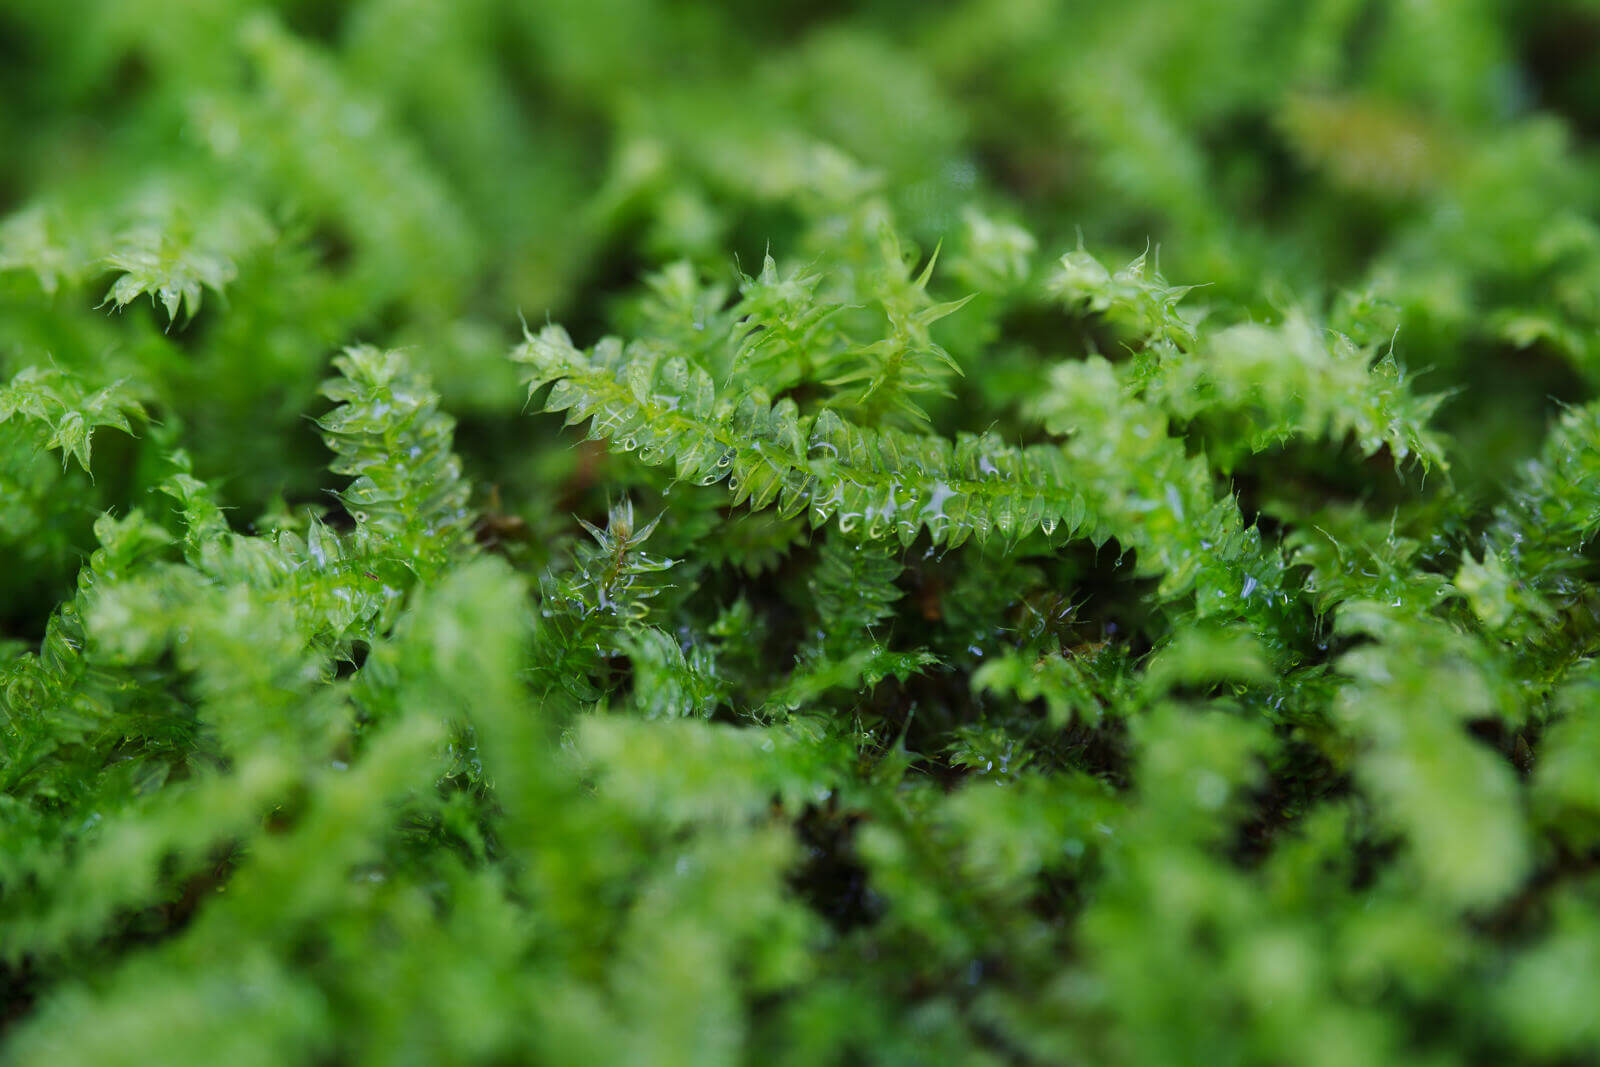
column 624, row 532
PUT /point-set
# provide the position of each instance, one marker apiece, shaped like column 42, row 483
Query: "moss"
column 1017, row 534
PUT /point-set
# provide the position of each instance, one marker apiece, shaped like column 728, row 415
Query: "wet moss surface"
column 696, row 534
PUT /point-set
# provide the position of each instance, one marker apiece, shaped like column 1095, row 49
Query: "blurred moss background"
column 418, row 171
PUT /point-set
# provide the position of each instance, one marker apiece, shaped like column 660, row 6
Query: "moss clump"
column 949, row 641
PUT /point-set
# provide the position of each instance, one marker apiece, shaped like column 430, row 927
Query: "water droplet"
column 938, row 494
